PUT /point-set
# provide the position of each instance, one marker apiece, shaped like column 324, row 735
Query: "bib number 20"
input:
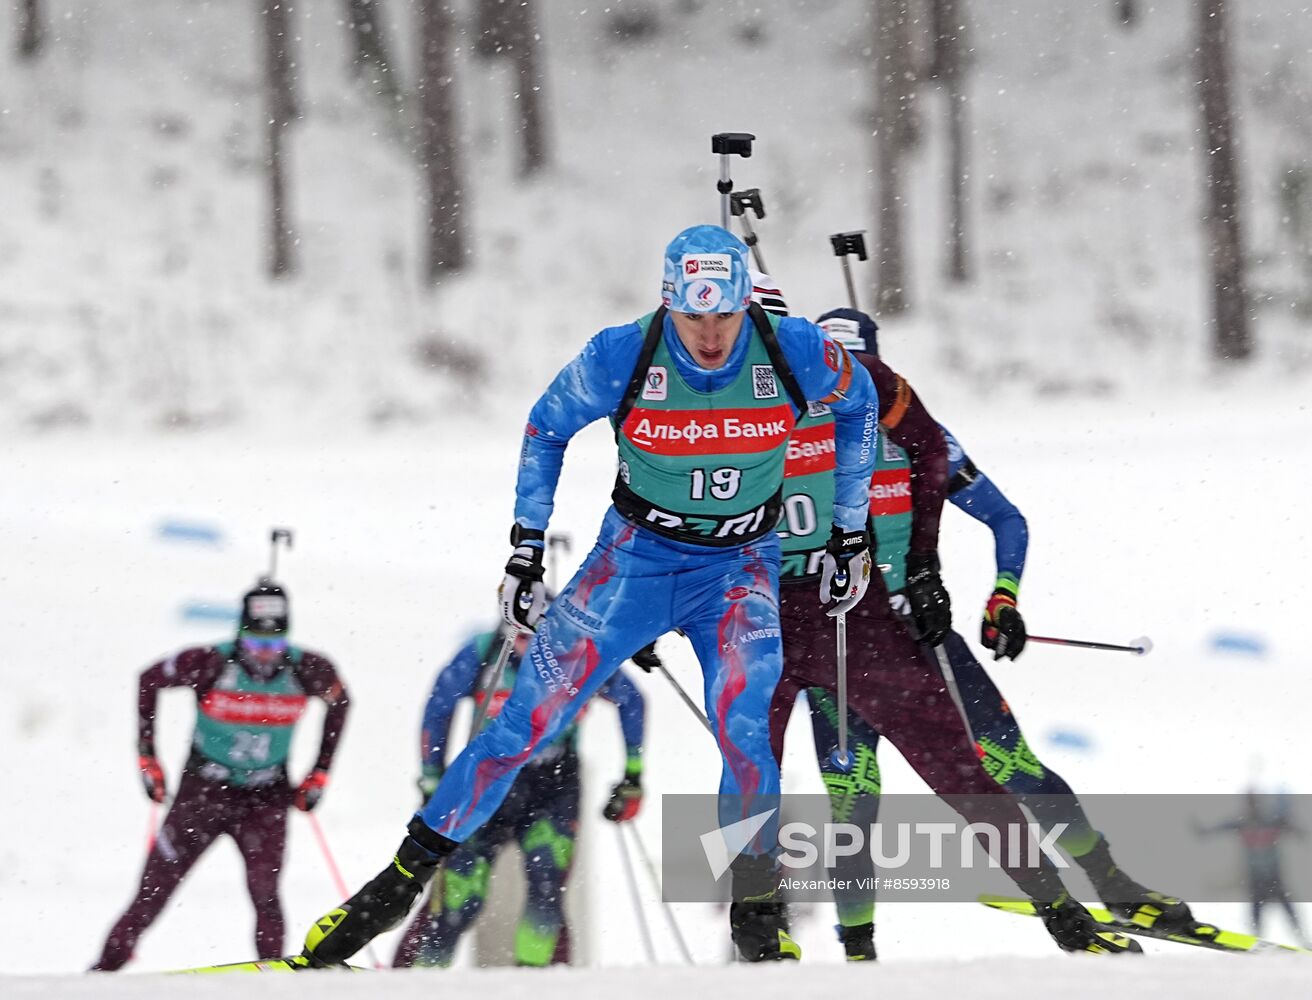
column 799, row 516
column 724, row 483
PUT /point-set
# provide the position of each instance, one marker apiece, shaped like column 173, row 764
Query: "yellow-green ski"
column 289, row 963
column 1200, row 935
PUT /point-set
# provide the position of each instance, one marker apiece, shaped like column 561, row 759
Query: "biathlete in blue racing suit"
column 703, row 395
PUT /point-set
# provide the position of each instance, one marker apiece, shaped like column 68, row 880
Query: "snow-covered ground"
column 997, row 979
column 1177, row 520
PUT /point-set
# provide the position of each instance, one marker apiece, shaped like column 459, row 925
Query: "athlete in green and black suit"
column 540, row 814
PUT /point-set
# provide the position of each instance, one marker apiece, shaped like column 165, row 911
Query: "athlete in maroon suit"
column 250, row 694
column 894, row 681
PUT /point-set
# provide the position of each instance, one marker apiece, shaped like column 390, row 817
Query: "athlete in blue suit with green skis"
column 703, row 395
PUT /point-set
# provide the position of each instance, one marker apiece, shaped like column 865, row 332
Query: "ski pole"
column 841, row 758
column 637, row 900
column 692, row 705
column 725, row 145
column 656, row 881
column 554, row 541
column 739, row 204
column 950, row 679
column 493, row 682
column 1141, row 646
column 336, row 874
column 277, row 535
column 333, row 870
column 849, row 243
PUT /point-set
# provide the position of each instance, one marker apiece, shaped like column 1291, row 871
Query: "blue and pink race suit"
column 647, row 576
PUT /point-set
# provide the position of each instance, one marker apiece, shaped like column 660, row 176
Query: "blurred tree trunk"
column 508, row 28
column 525, row 50
column 365, row 22
column 439, row 152
column 281, row 108
column 949, row 69
column 895, row 133
column 31, row 29
column 1127, row 12
column 490, row 26
column 1224, row 234
column 1295, row 207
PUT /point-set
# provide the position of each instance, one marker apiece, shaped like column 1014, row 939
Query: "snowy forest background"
column 381, row 211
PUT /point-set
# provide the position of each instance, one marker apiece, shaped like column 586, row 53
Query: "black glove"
column 523, row 595
column 931, row 608
column 1003, row 629
column 845, row 569
column 625, row 800
column 647, row 659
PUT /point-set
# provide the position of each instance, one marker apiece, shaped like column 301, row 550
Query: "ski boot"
column 760, row 931
column 858, row 942
column 382, row 904
column 1074, row 929
column 1129, row 900
column 758, row 916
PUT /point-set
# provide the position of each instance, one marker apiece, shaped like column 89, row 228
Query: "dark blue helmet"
column 855, row 330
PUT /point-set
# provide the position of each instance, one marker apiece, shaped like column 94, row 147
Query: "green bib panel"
column 809, row 502
column 808, row 495
column 890, row 507
column 705, row 468
column 246, row 724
